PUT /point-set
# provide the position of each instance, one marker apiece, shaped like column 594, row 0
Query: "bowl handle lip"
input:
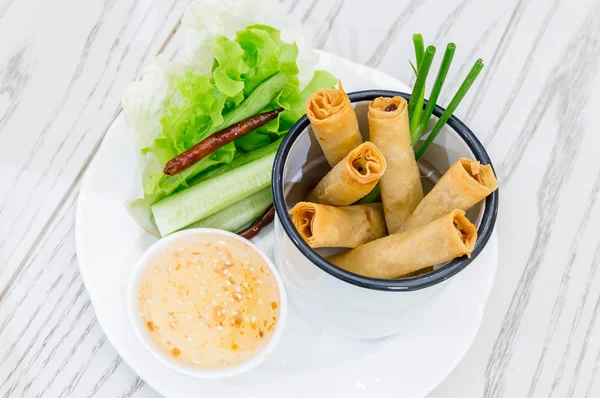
column 485, row 230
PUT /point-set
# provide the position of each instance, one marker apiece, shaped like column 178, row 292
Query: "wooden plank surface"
column 64, row 64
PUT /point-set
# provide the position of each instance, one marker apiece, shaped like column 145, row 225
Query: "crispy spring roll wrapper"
column 333, row 122
column 328, row 226
column 352, row 178
column 448, row 237
column 401, row 189
column 465, row 183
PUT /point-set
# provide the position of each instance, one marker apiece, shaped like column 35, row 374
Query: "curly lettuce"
column 241, row 57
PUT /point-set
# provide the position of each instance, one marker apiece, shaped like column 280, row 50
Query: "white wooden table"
column 64, row 64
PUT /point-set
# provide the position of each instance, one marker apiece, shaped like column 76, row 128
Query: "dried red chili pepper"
column 217, row 140
column 261, row 222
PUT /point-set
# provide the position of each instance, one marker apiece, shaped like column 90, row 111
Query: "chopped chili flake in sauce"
column 209, row 321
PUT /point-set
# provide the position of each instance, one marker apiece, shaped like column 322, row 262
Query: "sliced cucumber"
column 210, row 196
column 237, row 162
column 240, row 214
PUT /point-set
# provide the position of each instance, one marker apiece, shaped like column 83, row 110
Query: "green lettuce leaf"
column 253, row 73
column 228, row 68
column 293, row 101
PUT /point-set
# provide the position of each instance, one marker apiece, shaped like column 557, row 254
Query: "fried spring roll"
column 352, row 178
column 401, row 189
column 448, row 237
column 328, row 226
column 464, row 184
column 334, row 123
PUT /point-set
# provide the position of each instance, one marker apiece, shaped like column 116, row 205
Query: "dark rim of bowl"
column 407, row 284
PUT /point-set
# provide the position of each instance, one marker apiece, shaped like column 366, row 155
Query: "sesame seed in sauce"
column 222, row 287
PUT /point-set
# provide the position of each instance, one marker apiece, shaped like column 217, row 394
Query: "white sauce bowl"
column 141, row 330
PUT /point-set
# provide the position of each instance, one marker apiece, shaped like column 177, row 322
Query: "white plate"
column 306, row 362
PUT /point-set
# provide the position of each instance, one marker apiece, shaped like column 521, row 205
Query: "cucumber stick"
column 210, row 196
column 237, row 162
column 240, row 214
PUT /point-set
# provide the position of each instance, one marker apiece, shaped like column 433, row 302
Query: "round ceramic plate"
column 307, row 362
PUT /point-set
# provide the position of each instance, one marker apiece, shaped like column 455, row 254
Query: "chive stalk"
column 415, row 104
column 371, row 197
column 434, row 95
column 456, row 100
column 419, row 49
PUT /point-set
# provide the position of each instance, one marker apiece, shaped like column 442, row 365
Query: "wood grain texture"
column 59, row 100
column 534, row 107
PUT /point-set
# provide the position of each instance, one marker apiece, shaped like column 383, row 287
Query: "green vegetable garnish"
column 252, row 73
column 435, row 93
column 419, row 50
column 210, row 196
column 238, row 161
column 371, row 197
column 458, row 97
column 240, row 214
column 415, row 104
